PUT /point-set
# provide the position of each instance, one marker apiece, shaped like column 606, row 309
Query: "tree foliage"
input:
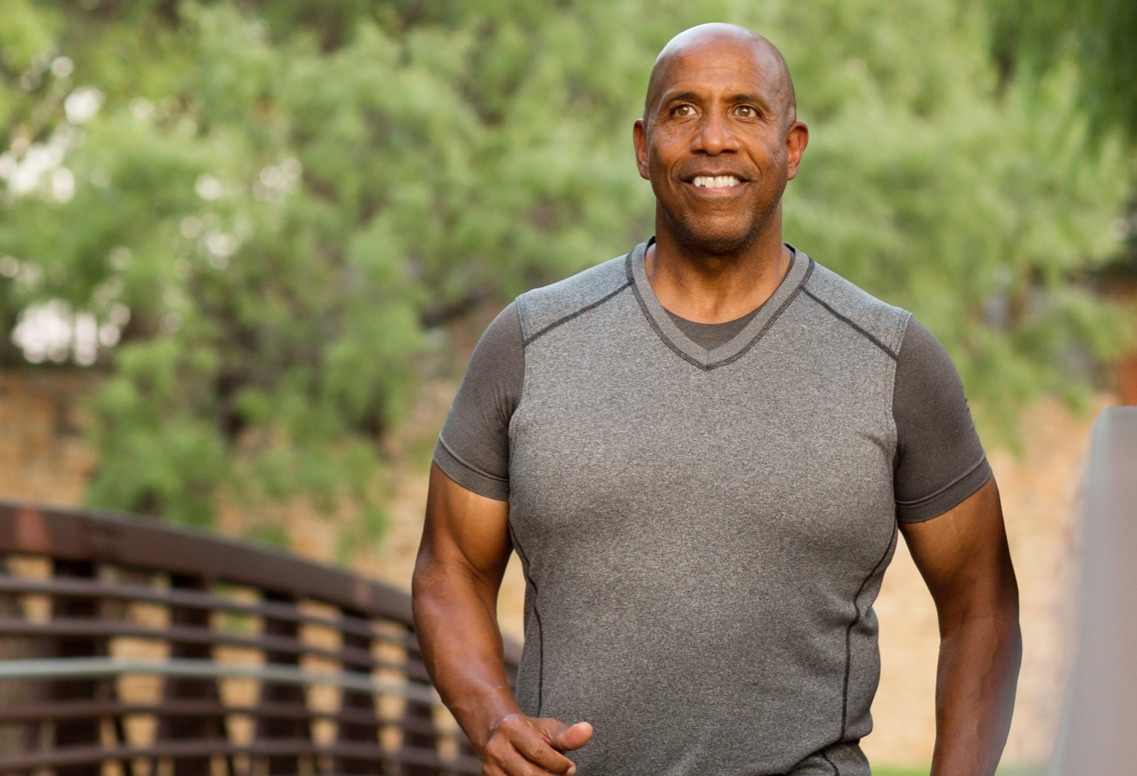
column 261, row 217
column 1092, row 43
column 1095, row 36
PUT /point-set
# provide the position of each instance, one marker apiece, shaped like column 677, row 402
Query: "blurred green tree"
column 1095, row 36
column 261, row 217
column 1092, row 43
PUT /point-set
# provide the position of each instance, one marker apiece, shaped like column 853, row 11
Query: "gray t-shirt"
column 704, row 514
column 939, row 459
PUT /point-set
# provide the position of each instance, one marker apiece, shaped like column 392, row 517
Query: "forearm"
column 964, row 557
column 462, row 649
column 462, row 558
column 975, row 692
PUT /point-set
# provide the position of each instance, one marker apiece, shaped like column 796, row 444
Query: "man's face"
column 718, row 143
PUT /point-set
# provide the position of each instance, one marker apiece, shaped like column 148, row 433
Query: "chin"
column 715, row 242
column 721, row 236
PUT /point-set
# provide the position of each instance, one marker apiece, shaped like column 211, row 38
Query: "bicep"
column 464, row 533
column 965, row 560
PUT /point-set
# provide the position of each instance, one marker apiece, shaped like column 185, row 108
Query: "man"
column 700, row 452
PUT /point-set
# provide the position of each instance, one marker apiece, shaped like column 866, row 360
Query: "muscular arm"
column 963, row 556
column 464, row 551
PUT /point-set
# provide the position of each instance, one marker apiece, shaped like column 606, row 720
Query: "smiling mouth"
column 715, row 181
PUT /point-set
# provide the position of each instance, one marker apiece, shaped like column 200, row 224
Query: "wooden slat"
column 74, row 627
column 89, row 755
column 57, row 710
column 358, row 720
column 93, row 588
column 103, row 667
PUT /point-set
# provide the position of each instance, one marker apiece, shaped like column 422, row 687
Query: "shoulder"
column 544, row 308
column 924, row 357
column 881, row 323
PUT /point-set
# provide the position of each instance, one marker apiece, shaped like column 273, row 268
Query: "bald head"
column 718, row 35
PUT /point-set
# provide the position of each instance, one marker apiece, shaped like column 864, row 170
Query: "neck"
column 712, row 288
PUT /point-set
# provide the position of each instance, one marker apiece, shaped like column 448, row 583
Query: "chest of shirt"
column 785, row 453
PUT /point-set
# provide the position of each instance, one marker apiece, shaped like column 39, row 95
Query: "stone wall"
column 42, row 455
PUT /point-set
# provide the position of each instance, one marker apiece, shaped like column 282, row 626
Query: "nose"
column 715, row 135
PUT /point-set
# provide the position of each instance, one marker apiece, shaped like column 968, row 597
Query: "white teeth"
column 715, row 181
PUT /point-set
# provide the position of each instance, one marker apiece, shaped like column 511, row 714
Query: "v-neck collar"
column 801, row 266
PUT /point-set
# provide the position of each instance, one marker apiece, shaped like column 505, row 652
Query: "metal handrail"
column 93, row 667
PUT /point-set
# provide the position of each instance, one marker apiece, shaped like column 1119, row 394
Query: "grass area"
column 1006, row 770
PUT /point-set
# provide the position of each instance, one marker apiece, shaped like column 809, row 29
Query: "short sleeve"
column 473, row 448
column 939, row 458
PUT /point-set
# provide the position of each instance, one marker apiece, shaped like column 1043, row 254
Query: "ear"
column 796, row 140
column 639, row 138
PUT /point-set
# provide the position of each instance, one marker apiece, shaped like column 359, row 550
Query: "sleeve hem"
column 468, row 476
column 946, row 498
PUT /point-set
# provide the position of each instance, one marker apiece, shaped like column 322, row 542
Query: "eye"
column 683, row 109
column 746, row 111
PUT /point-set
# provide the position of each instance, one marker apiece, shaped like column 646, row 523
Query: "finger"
column 514, row 763
column 520, row 743
column 538, row 750
column 570, row 737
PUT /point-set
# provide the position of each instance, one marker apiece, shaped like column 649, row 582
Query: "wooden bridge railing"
column 130, row 646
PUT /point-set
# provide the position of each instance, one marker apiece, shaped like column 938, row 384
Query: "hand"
column 529, row 746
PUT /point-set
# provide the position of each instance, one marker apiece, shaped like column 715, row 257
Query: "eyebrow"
column 733, row 99
column 754, row 98
column 667, row 99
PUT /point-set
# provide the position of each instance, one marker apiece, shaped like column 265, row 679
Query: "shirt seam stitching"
column 933, row 496
column 857, row 328
column 901, row 328
column 467, row 464
column 536, row 616
column 774, row 316
column 576, row 314
column 849, row 635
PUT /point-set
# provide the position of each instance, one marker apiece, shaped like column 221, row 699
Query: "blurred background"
column 246, row 248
